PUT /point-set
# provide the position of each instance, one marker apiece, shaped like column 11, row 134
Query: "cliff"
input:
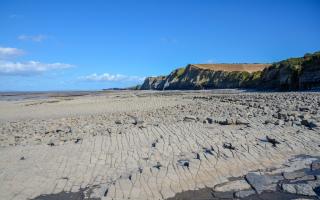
column 290, row 74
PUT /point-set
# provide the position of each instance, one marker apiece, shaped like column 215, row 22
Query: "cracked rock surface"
column 161, row 145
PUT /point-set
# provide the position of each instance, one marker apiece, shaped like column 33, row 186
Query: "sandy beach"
column 216, row 144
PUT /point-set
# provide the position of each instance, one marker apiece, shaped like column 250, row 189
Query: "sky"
column 97, row 44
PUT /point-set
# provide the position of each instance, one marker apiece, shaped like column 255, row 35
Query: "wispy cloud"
column 29, row 68
column 111, row 77
column 210, row 61
column 6, row 52
column 34, row 38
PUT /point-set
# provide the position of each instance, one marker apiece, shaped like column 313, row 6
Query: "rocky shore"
column 218, row 144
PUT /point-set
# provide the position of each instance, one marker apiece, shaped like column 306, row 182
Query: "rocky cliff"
column 290, row 74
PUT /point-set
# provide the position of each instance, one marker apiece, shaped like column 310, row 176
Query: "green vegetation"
column 179, row 72
column 256, row 75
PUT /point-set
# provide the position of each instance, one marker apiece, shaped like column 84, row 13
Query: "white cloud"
column 10, row 52
column 34, row 38
column 29, row 68
column 111, row 77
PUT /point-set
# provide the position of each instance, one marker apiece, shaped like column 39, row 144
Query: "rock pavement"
column 158, row 145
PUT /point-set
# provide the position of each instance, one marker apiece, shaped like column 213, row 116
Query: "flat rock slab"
column 62, row 196
column 294, row 175
column 300, row 188
column 262, row 182
column 244, row 193
column 233, row 186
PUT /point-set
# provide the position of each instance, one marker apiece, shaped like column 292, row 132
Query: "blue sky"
column 81, row 45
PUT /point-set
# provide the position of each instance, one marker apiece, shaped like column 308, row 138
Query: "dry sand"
column 151, row 145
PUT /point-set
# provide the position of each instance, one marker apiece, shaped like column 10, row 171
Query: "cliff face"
column 310, row 72
column 290, row 74
column 193, row 77
column 197, row 77
column 153, row 83
column 293, row 73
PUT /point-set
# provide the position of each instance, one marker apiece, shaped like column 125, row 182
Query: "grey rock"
column 303, row 109
column 223, row 195
column 225, row 122
column 279, row 122
column 300, row 188
column 282, row 115
column 135, row 121
column 293, row 113
column 289, row 188
column 118, row 122
column 294, row 175
column 308, row 123
column 184, row 163
column 244, row 193
column 189, row 119
column 269, row 121
column 262, row 182
column 314, row 184
column 304, row 178
column 315, row 165
column 209, row 120
column 296, row 123
column 236, row 185
column 241, row 122
column 291, row 118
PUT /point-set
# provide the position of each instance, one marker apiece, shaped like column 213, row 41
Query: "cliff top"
column 233, row 67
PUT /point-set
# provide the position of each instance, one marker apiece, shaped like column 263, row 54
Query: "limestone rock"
column 315, row 165
column 233, row 186
column 189, row 119
column 293, row 175
column 262, row 182
column 244, row 193
column 299, row 188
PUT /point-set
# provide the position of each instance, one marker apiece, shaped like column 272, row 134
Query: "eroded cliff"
column 290, row 74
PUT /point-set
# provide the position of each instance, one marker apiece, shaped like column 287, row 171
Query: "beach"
column 159, row 145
